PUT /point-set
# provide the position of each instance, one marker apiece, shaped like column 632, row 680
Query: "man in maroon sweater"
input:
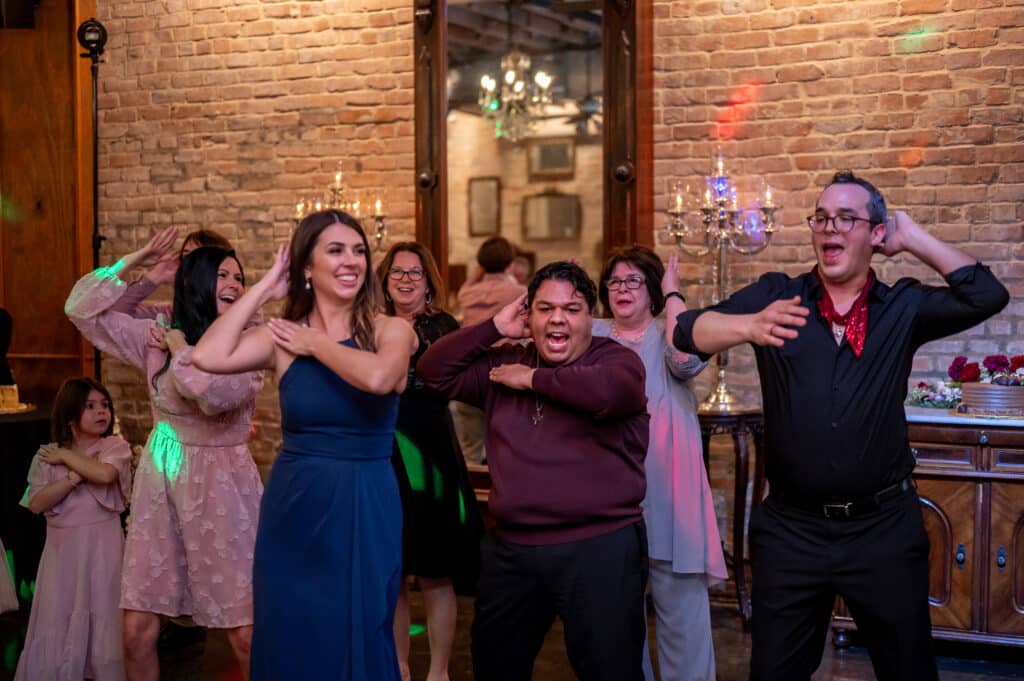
column 566, row 435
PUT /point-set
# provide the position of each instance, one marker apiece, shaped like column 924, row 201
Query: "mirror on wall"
column 525, row 113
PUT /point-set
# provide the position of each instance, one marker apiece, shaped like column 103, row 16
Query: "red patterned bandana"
column 856, row 318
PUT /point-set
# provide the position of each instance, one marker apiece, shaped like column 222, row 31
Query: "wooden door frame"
column 628, row 142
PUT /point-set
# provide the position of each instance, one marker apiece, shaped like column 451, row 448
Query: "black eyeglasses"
column 630, row 282
column 397, row 273
column 842, row 223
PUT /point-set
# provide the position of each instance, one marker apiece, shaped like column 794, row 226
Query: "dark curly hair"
column 564, row 271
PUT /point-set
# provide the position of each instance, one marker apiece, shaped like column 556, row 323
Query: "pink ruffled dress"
column 74, row 631
column 197, row 491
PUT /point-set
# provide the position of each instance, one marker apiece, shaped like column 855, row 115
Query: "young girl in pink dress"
column 81, row 482
column 197, row 492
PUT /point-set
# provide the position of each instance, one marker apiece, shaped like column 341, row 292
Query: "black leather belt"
column 847, row 509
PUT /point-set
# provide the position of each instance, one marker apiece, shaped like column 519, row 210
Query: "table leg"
column 739, row 438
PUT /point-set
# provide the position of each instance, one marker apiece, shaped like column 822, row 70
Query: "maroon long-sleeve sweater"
column 577, row 473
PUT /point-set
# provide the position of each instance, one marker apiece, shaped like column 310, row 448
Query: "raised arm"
column 380, row 372
column 213, row 393
column 458, row 364
column 907, row 236
column 610, row 388
column 682, row 365
column 228, row 347
column 752, row 315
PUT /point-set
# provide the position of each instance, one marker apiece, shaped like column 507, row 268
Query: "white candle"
column 377, row 209
column 679, row 202
column 768, row 195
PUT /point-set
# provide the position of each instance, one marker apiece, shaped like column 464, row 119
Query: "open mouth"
column 227, row 298
column 347, row 279
column 406, row 290
column 556, row 341
column 831, row 253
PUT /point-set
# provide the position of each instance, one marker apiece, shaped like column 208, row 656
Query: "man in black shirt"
column 834, row 350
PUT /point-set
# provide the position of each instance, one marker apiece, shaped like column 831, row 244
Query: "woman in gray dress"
column 684, row 545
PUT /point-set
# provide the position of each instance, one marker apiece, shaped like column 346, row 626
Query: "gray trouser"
column 686, row 651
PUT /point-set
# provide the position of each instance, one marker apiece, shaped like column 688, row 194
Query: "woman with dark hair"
column 684, row 546
column 441, row 526
column 328, row 556
column 197, row 491
column 161, row 272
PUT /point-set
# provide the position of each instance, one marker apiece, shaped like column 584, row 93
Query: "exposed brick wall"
column 218, row 114
column 922, row 97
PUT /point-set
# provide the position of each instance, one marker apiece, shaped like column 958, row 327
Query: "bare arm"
column 88, row 468
column 228, row 347
column 52, row 494
column 380, row 372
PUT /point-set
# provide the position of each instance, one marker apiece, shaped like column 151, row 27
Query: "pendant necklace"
column 837, row 331
column 538, row 412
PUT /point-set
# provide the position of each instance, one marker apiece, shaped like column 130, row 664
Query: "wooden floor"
column 188, row 655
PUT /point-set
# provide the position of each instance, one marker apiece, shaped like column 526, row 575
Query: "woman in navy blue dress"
column 328, row 560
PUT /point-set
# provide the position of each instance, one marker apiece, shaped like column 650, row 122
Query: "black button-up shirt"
column 835, row 428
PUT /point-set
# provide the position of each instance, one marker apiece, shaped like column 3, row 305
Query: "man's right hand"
column 512, row 321
column 777, row 323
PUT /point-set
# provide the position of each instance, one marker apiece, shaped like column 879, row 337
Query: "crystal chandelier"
column 515, row 102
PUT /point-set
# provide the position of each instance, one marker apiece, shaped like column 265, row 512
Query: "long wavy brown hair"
column 369, row 300
column 436, row 295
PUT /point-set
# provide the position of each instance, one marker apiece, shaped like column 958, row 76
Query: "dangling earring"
column 309, row 284
column 387, row 296
column 430, row 297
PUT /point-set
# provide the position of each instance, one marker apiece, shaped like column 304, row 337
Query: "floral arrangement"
column 996, row 369
column 937, row 395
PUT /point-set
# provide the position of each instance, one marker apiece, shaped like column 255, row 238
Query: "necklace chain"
column 538, row 412
column 618, row 333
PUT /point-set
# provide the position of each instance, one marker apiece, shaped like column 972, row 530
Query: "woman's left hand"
column 670, row 280
column 295, row 338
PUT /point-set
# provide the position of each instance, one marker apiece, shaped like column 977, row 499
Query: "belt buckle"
column 837, row 510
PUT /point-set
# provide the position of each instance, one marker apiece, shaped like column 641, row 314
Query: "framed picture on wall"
column 551, row 159
column 551, row 215
column 484, row 204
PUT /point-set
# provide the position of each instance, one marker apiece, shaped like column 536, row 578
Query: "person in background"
column 80, row 482
column 567, row 431
column 483, row 295
column 684, row 546
column 197, row 491
column 834, row 349
column 441, row 525
column 162, row 272
column 328, row 563
column 520, row 269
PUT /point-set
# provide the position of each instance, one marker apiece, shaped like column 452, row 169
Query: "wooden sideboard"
column 970, row 477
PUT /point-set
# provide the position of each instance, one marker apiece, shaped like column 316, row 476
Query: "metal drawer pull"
column 1001, row 558
column 961, row 556
column 983, row 440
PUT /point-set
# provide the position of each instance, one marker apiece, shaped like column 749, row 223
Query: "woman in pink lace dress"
column 81, row 483
column 197, row 491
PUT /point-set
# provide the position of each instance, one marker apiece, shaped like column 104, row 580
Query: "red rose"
column 1016, row 363
column 970, row 373
column 996, row 363
column 955, row 367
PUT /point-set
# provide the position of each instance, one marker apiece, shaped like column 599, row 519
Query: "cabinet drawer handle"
column 983, row 440
column 1001, row 558
column 914, row 453
column 961, row 556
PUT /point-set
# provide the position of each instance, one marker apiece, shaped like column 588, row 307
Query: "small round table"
column 739, row 424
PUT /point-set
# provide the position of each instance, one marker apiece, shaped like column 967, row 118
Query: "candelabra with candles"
column 337, row 197
column 722, row 225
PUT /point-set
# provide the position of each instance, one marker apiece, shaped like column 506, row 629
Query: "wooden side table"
column 739, row 425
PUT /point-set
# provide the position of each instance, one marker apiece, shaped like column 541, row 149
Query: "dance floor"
column 187, row 655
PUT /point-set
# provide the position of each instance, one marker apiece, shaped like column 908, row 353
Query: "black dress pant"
column 596, row 586
column 878, row 563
